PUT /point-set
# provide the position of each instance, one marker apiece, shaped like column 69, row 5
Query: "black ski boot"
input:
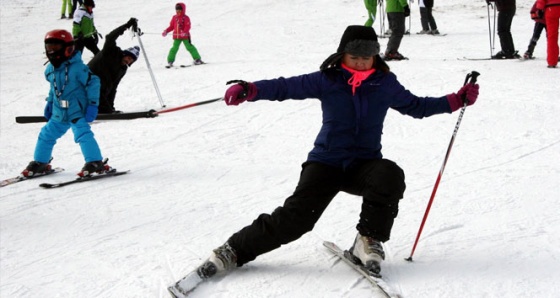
column 36, row 167
column 91, row 167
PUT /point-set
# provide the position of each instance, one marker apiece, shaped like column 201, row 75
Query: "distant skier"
column 83, row 28
column 506, row 12
column 356, row 90
column 427, row 20
column 111, row 64
column 71, row 103
column 540, row 25
column 550, row 10
column 181, row 25
column 66, row 3
column 397, row 12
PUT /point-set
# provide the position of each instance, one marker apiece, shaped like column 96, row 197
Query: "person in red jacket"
column 537, row 31
column 181, row 25
column 550, row 10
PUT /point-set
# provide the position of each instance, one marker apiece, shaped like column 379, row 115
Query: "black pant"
column 379, row 182
column 75, row 6
column 537, row 31
column 505, row 17
column 90, row 43
column 397, row 25
column 107, row 94
column 427, row 19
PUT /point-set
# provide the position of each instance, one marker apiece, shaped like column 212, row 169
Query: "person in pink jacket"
column 181, row 25
column 550, row 9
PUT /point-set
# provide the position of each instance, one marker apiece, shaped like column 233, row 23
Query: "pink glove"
column 164, row 34
column 239, row 93
column 456, row 99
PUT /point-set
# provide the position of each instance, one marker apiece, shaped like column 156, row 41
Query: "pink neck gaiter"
column 357, row 76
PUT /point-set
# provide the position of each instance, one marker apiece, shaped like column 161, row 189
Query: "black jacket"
column 108, row 67
column 504, row 4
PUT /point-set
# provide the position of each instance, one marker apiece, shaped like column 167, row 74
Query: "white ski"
column 186, row 285
column 377, row 282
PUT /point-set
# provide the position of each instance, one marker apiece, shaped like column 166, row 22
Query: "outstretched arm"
column 111, row 38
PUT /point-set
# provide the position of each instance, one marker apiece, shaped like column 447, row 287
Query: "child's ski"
column 23, row 178
column 111, row 173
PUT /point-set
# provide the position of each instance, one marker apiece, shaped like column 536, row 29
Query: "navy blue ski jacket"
column 352, row 124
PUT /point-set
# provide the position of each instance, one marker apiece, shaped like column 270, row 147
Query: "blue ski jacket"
column 73, row 88
column 352, row 124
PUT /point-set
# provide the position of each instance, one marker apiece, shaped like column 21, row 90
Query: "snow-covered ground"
column 200, row 174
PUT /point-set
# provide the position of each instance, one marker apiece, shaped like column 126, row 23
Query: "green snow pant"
column 64, row 4
column 371, row 6
column 176, row 43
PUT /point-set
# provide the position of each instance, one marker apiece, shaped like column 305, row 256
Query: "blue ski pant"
column 53, row 130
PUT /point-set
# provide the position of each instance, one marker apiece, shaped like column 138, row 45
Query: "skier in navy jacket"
column 356, row 89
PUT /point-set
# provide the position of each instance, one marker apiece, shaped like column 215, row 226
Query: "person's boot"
column 36, row 168
column 92, row 167
column 368, row 252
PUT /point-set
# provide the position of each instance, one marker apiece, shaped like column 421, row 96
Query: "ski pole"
column 494, row 30
column 138, row 33
column 489, row 30
column 189, row 105
column 409, row 17
column 382, row 22
column 472, row 77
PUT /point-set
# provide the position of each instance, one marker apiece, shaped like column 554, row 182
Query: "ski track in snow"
column 200, row 174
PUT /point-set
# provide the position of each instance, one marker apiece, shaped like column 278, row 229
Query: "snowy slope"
column 200, row 174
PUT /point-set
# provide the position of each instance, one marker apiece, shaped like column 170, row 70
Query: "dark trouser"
column 397, row 26
column 75, row 6
column 90, row 43
column 537, row 31
column 427, row 19
column 107, row 95
column 379, row 182
column 505, row 17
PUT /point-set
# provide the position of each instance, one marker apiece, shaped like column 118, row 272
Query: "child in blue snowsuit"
column 72, row 103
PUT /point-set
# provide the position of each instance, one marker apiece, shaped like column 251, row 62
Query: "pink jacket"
column 180, row 25
column 541, row 4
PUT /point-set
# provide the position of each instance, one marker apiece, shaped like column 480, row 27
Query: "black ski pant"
column 380, row 182
column 427, row 19
column 397, row 25
column 537, row 31
column 107, row 95
column 505, row 18
column 89, row 42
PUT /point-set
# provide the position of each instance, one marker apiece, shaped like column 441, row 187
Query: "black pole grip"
column 243, row 84
column 469, row 79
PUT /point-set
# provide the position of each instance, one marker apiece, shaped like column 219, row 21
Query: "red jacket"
column 180, row 25
column 534, row 14
column 541, row 4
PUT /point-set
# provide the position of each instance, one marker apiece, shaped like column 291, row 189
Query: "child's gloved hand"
column 48, row 110
column 91, row 113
